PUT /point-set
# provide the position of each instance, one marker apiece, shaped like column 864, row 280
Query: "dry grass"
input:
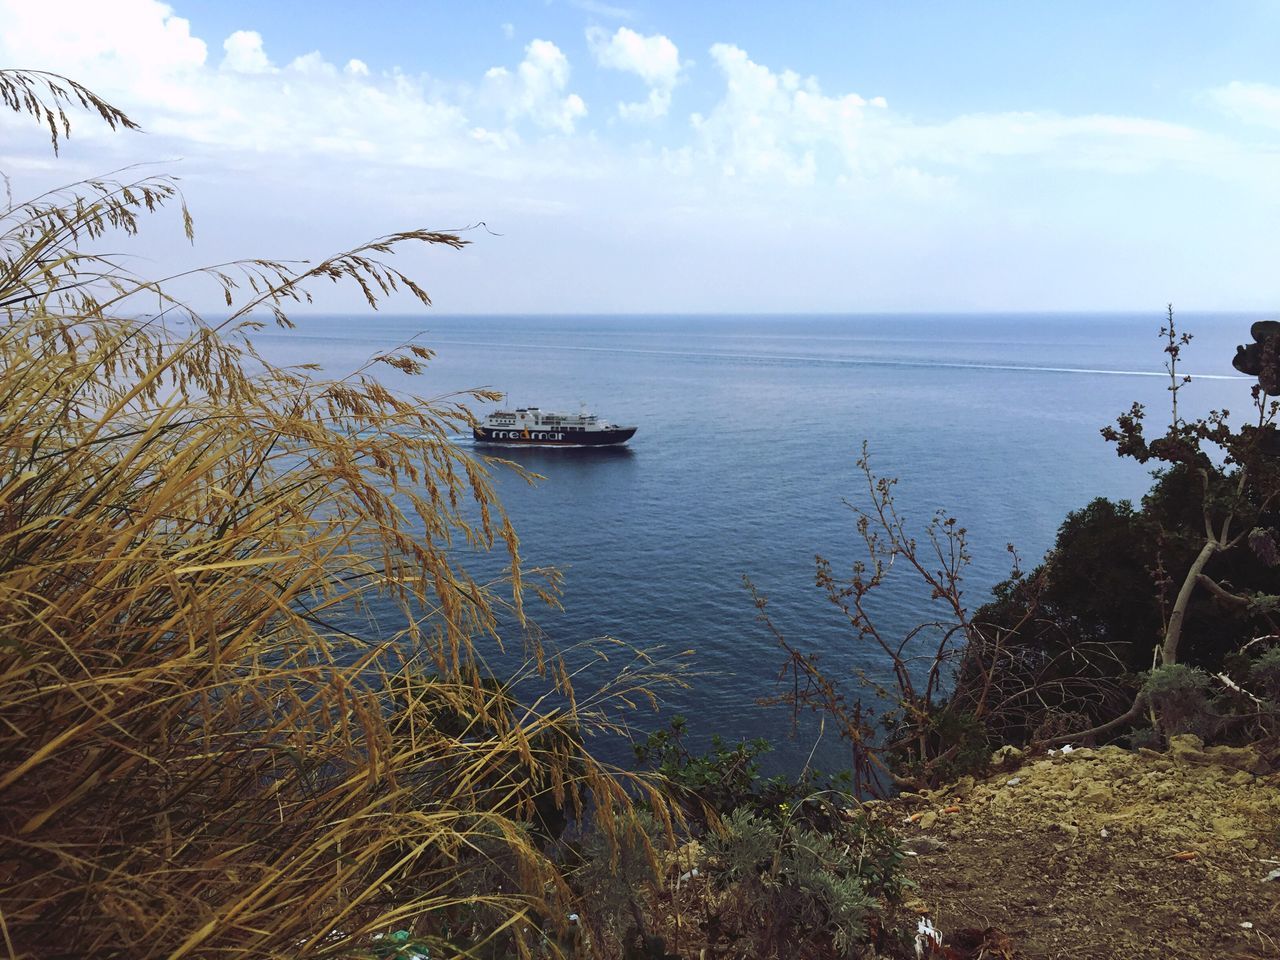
column 201, row 754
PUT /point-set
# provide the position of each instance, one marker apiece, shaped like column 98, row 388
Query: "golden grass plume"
column 202, row 753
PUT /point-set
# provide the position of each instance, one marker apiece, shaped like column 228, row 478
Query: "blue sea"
column 749, row 428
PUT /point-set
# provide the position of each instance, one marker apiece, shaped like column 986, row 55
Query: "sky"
column 640, row 157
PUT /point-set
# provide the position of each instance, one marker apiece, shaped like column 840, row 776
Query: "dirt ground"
column 1103, row 853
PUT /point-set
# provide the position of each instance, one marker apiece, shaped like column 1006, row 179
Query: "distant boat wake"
column 838, row 361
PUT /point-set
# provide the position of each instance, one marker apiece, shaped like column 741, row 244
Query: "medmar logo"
column 525, row 435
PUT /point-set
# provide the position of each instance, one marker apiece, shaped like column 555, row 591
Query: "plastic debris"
column 401, row 947
column 1273, row 875
column 1247, row 925
column 1064, row 750
column 1013, row 781
column 928, row 939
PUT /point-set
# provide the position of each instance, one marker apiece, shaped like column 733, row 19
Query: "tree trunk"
column 1169, row 651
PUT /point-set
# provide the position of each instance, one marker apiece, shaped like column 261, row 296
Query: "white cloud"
column 244, row 53
column 781, row 124
column 141, row 56
column 654, row 59
column 349, row 147
column 101, row 43
column 313, row 62
column 1096, row 141
column 1256, row 103
column 537, row 88
column 142, row 35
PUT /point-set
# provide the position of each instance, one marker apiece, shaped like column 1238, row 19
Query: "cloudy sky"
column 715, row 156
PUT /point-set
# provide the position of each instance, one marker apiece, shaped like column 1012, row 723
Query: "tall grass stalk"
column 202, row 752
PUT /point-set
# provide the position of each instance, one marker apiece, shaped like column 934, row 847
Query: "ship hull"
column 519, row 437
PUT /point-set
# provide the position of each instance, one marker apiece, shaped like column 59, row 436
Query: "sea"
column 744, row 469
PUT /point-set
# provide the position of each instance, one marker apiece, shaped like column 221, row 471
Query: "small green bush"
column 727, row 777
column 787, row 867
column 1182, row 699
column 1264, row 673
column 797, row 891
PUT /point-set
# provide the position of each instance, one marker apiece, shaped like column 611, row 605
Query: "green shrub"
column 796, row 891
column 1264, row 673
column 1182, row 700
column 727, row 777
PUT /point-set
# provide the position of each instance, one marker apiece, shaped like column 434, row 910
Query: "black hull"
column 554, row 438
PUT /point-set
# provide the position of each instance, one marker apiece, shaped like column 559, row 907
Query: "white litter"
column 1013, row 781
column 1247, row 925
column 928, row 939
column 1273, row 875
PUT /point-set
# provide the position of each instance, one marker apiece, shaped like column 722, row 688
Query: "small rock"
column 922, row 846
column 1093, row 794
column 1070, row 829
column 1165, row 792
column 1246, row 759
column 1186, row 746
column 928, row 820
column 1007, row 756
column 1228, row 828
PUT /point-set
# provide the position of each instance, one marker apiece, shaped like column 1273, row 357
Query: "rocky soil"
column 1103, row 853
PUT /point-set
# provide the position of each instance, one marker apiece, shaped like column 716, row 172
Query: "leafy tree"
column 1188, row 578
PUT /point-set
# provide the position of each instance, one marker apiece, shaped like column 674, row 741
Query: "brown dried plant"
column 945, row 685
column 920, row 665
column 207, row 746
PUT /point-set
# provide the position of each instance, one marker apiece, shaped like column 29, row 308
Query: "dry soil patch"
column 1107, row 854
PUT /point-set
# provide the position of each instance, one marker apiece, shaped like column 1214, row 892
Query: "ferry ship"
column 531, row 426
